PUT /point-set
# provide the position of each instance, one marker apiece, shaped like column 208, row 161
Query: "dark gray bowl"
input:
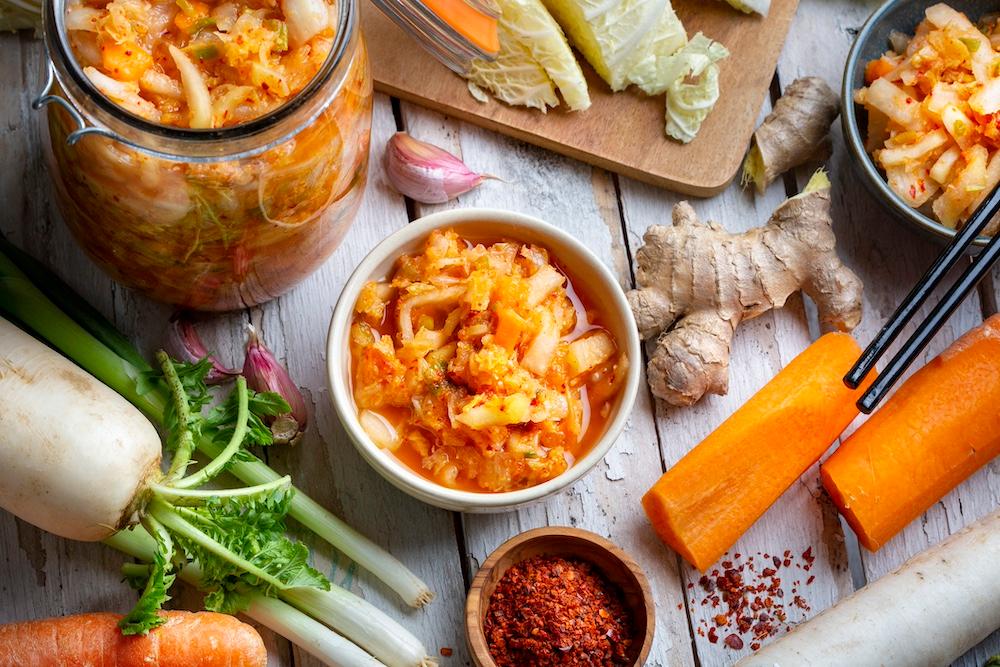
column 871, row 43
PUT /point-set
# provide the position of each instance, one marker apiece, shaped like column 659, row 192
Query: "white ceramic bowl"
column 587, row 271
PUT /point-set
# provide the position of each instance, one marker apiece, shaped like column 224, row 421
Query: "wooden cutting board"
column 621, row 132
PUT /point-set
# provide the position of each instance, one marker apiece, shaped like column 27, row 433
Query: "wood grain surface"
column 621, row 132
column 41, row 575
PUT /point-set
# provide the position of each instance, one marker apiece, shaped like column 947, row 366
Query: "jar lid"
column 456, row 32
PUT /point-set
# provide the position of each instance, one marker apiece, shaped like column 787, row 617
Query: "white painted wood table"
column 41, row 575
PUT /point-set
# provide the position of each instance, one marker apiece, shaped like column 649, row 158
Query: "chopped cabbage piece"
column 695, row 87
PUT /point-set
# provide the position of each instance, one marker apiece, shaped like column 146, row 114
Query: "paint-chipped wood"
column 41, row 575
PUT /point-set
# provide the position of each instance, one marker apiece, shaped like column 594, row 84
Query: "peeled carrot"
column 477, row 26
column 702, row 505
column 187, row 639
column 941, row 426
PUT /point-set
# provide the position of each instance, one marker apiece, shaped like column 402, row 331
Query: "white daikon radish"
column 929, row 612
column 74, row 455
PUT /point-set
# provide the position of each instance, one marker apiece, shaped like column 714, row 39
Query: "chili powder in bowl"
column 559, row 596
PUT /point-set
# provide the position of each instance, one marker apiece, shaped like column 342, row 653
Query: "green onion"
column 312, row 636
column 971, row 43
column 205, row 50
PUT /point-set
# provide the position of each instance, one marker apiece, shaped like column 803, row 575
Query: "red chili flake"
column 549, row 610
column 776, row 561
column 734, row 642
column 721, row 620
column 801, row 603
column 768, row 572
column 446, row 651
column 713, row 637
column 810, row 580
column 728, row 564
column 909, row 100
column 737, row 556
column 755, row 646
column 807, row 555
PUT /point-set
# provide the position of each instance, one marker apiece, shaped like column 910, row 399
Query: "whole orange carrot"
column 187, row 639
column 702, row 505
column 941, row 426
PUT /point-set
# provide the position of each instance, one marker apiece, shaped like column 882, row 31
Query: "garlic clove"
column 425, row 173
column 183, row 343
column 264, row 373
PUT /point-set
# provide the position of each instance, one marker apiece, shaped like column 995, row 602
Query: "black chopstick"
column 948, row 259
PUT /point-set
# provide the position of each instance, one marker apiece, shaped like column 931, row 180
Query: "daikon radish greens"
column 230, row 542
column 927, row 613
column 95, row 470
column 932, row 115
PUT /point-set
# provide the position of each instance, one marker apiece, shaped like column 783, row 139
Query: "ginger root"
column 697, row 282
column 794, row 132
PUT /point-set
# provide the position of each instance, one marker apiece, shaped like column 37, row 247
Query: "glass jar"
column 212, row 219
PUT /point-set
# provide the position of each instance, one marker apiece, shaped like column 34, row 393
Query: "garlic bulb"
column 264, row 373
column 426, row 173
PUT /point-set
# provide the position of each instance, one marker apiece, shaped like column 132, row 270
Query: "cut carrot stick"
column 702, row 505
column 478, row 27
column 187, row 639
column 941, row 426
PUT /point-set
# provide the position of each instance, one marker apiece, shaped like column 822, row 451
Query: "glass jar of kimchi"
column 210, row 154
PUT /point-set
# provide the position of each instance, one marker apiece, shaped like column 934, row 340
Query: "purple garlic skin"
column 184, row 344
column 425, row 173
column 264, row 373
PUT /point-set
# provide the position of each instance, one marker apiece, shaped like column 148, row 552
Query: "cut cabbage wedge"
column 613, row 35
column 750, row 6
column 652, row 71
column 514, row 77
column 534, row 60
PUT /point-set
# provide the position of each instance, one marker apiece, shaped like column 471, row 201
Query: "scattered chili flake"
column 549, row 610
column 749, row 602
column 446, row 651
column 734, row 642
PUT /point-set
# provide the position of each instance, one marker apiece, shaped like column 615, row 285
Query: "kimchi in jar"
column 479, row 366
column 208, row 153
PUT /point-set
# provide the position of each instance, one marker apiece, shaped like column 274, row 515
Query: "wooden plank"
column 621, row 132
column 890, row 258
column 801, row 518
column 606, row 501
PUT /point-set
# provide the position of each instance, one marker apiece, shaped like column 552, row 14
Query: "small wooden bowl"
column 615, row 564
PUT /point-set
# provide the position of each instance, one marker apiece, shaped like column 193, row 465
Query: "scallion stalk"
column 31, row 295
column 26, row 304
column 284, row 619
